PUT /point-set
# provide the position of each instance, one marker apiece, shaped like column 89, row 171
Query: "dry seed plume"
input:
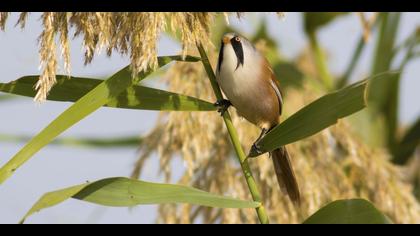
column 132, row 34
column 127, row 33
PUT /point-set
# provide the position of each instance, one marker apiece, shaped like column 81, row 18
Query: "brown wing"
column 274, row 84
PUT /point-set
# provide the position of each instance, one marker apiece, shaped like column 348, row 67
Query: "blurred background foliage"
column 370, row 154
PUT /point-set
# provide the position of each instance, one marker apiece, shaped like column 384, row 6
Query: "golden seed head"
column 133, row 34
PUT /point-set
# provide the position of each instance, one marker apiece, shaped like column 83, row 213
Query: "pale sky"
column 57, row 167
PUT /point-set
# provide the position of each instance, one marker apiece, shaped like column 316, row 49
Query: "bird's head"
column 237, row 44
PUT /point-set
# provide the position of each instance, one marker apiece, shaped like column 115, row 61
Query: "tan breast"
column 250, row 89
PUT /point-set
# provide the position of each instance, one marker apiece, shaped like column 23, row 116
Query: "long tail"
column 285, row 175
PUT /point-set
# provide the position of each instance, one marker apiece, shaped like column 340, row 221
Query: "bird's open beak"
column 226, row 40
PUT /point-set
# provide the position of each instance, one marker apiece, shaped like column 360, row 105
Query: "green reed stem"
column 262, row 214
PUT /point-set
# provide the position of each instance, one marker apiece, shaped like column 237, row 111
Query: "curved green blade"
column 134, row 97
column 93, row 100
column 315, row 117
column 315, row 20
column 6, row 97
column 124, row 192
column 82, row 142
column 408, row 144
column 319, row 115
column 353, row 211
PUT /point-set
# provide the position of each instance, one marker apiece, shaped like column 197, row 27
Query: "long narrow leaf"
column 315, row 20
column 408, row 144
column 352, row 64
column 124, row 192
column 134, row 97
column 353, row 211
column 114, row 142
column 6, row 97
column 384, row 94
column 315, row 117
column 97, row 97
column 319, row 115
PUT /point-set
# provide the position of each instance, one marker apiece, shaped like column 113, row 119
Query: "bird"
column 248, row 82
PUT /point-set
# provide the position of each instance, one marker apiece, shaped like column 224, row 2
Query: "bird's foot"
column 255, row 151
column 222, row 106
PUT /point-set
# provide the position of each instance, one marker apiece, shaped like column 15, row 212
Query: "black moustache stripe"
column 219, row 63
column 237, row 47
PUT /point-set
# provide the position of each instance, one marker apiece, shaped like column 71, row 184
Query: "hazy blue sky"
column 57, row 167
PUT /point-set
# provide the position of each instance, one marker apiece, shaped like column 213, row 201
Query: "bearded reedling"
column 249, row 84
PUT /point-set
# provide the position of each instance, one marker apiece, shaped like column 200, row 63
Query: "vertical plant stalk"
column 404, row 148
column 343, row 81
column 352, row 65
column 320, row 61
column 256, row 196
column 384, row 93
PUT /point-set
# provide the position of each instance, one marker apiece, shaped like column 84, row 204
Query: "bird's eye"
column 237, row 39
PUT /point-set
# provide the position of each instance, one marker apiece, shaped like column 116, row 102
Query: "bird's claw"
column 255, row 151
column 222, row 105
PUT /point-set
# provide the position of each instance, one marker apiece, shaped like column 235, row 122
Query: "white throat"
column 236, row 80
